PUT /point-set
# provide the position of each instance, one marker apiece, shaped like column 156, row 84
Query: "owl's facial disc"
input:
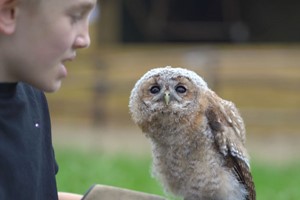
column 161, row 94
column 167, row 95
column 174, row 94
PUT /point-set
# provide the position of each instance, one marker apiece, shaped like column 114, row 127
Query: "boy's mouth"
column 70, row 58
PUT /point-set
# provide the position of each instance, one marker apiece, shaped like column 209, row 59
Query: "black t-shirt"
column 27, row 162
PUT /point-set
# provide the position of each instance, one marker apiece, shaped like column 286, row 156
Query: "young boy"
column 37, row 37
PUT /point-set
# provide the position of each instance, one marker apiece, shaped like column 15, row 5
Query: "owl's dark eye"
column 180, row 89
column 155, row 89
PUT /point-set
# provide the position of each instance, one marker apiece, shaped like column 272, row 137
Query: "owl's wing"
column 229, row 132
column 242, row 172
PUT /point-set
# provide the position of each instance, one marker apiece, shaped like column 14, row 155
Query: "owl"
column 197, row 138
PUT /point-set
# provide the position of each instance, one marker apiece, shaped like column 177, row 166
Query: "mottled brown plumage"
column 197, row 138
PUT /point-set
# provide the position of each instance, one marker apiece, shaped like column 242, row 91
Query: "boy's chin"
column 54, row 88
column 50, row 87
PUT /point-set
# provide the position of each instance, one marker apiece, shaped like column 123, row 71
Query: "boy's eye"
column 76, row 17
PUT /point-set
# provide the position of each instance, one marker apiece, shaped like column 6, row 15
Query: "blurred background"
column 247, row 51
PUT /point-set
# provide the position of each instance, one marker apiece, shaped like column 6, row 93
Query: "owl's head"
column 165, row 91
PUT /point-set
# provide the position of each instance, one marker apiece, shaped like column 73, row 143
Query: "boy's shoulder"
column 22, row 98
column 28, row 88
column 17, row 91
column 30, row 91
column 33, row 96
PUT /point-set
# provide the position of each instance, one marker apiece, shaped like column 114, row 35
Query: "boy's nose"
column 83, row 40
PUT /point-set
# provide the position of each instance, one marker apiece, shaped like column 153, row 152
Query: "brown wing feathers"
column 242, row 172
column 238, row 166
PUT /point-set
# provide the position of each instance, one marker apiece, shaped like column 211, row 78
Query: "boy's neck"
column 5, row 77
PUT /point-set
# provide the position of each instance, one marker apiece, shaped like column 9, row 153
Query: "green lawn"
column 79, row 170
column 277, row 183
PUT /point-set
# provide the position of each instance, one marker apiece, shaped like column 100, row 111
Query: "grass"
column 277, row 183
column 81, row 169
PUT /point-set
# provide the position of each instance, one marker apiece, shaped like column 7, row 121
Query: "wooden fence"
column 263, row 81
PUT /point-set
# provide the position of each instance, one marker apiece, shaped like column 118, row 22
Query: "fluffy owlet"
column 197, row 138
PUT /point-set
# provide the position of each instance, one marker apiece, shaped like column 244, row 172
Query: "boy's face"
column 46, row 37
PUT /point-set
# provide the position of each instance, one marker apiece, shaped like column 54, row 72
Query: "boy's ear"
column 8, row 16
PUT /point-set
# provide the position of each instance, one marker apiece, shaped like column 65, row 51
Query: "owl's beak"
column 167, row 97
